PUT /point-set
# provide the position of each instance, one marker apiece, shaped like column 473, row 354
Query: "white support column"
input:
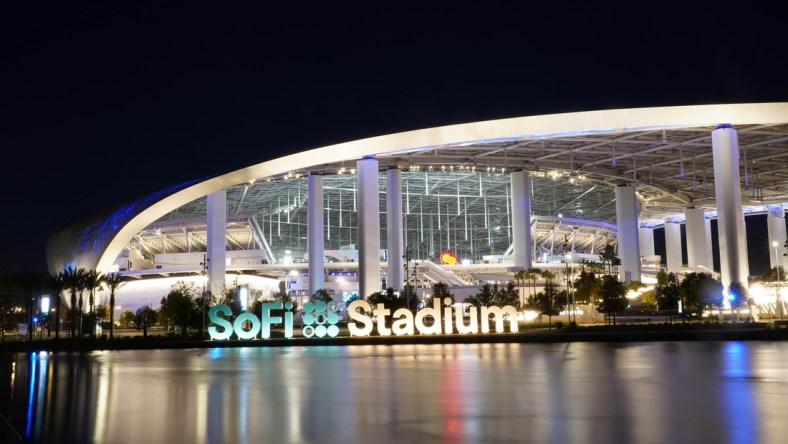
column 628, row 243
column 646, row 238
column 314, row 232
column 394, row 242
column 730, row 220
column 217, row 242
column 521, row 219
column 368, row 227
column 696, row 240
column 709, row 248
column 775, row 221
column 673, row 245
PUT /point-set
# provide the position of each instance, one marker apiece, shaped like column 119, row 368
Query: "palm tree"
column 609, row 258
column 73, row 281
column 28, row 283
column 113, row 282
column 81, row 287
column 93, row 281
column 6, row 297
column 520, row 276
column 532, row 274
column 547, row 275
column 56, row 283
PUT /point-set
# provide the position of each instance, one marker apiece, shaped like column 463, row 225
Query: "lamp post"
column 779, row 282
column 407, row 256
column 204, row 264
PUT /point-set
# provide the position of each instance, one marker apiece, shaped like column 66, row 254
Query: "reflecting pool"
column 661, row 392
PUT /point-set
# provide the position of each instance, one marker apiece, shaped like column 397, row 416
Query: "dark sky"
column 104, row 101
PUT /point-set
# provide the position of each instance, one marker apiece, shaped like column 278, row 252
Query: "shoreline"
column 613, row 334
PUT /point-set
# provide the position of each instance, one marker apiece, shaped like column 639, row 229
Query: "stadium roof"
column 575, row 160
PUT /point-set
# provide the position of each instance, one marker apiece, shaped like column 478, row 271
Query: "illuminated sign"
column 448, row 259
column 256, row 326
column 320, row 319
column 444, row 319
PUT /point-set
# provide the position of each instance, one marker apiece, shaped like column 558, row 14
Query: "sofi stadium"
column 460, row 204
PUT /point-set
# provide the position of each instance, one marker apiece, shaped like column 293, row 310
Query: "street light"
column 569, row 305
column 779, row 282
column 407, row 256
column 204, row 264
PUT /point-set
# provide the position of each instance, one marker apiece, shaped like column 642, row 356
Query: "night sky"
column 104, row 101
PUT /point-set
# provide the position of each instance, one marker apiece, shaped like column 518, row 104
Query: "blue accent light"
column 33, row 367
column 92, row 237
column 723, row 126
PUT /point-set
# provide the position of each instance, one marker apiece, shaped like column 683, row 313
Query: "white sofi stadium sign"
column 444, row 319
column 320, row 320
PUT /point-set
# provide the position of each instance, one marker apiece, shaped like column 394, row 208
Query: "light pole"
column 779, row 282
column 204, row 264
column 407, row 256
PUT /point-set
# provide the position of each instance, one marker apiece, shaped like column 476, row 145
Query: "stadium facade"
column 459, row 204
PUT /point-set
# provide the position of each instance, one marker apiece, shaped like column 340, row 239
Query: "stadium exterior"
column 459, row 204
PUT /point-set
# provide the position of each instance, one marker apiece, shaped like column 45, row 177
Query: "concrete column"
column 696, row 240
column 646, row 238
column 217, row 242
column 673, row 245
column 314, row 232
column 521, row 219
column 394, row 242
column 709, row 248
column 730, row 220
column 775, row 221
column 368, row 227
column 628, row 243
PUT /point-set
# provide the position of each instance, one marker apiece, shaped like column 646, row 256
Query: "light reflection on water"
column 674, row 392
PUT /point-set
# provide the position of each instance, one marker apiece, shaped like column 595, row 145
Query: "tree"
column 548, row 302
column 93, row 281
column 179, row 305
column 609, row 258
column 127, row 319
column 648, row 299
column 690, row 289
column 144, row 318
column 774, row 274
column 485, row 296
column 204, row 300
column 231, row 299
column 6, row 300
column 507, row 296
column 393, row 301
column 321, row 295
column 667, row 292
column 711, row 293
column 520, row 277
column 56, row 283
column 587, row 287
column 72, row 279
column 613, row 296
column 532, row 275
column 737, row 297
column 440, row 291
column 113, row 282
column 81, row 286
column 28, row 283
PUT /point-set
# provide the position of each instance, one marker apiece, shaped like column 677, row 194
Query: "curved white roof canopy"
column 653, row 147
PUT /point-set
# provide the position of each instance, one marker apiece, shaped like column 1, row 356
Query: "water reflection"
column 466, row 393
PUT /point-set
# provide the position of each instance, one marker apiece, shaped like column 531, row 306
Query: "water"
column 670, row 392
